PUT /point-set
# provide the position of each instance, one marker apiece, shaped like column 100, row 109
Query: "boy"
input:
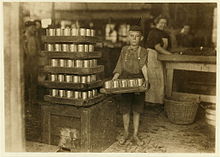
column 132, row 64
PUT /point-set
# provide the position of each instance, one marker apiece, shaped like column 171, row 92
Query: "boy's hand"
column 146, row 84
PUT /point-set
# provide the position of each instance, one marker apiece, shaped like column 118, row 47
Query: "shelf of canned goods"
column 73, row 72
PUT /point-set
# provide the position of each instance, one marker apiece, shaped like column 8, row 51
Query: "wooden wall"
column 14, row 82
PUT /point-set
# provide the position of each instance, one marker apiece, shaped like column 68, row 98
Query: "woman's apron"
column 156, row 79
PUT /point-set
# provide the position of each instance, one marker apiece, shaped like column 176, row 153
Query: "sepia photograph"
column 116, row 78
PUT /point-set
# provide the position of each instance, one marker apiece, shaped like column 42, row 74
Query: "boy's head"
column 135, row 35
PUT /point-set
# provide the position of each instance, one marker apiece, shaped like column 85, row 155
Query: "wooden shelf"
column 71, row 85
column 187, row 58
column 78, row 71
column 71, row 39
column 73, row 55
column 75, row 102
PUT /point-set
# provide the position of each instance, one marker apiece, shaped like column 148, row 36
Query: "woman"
column 157, row 43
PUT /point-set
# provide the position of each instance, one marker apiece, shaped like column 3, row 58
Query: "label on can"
column 76, row 79
column 92, row 32
column 77, row 94
column 88, row 32
column 53, row 77
column 54, row 62
column 73, row 48
column 140, row 82
column 86, row 63
column 74, row 32
column 57, row 47
column 51, row 32
column 69, row 63
column 68, row 78
column 58, row 32
column 131, row 83
column 86, row 48
column 84, row 95
column 54, row 92
column 79, row 63
column 65, row 47
column 115, row 84
column 80, row 48
column 62, row 93
column 124, row 83
column 82, row 32
column 91, row 48
column 49, row 47
column 90, row 94
column 83, row 79
column 89, row 79
column 66, row 32
column 62, row 63
column 61, row 78
column 69, row 94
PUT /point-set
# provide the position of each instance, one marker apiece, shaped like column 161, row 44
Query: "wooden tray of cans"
column 79, row 71
column 71, row 85
column 73, row 55
column 123, row 90
column 75, row 102
column 72, row 39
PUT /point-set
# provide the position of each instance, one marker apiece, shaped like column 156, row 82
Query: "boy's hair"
column 136, row 28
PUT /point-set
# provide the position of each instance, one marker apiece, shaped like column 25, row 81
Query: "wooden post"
column 14, row 85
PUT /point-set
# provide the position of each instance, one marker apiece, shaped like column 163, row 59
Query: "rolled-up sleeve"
column 118, row 68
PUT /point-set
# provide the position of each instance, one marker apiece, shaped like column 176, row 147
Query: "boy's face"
column 134, row 38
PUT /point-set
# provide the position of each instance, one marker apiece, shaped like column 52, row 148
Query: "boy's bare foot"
column 138, row 141
column 123, row 139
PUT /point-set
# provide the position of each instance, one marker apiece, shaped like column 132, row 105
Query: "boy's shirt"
column 131, row 61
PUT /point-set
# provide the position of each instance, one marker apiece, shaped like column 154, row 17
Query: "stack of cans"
column 72, row 78
column 73, row 63
column 74, row 94
column 123, row 83
column 70, row 32
column 70, row 47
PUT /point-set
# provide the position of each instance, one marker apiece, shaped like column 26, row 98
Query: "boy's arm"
column 116, row 75
column 118, row 68
column 145, row 73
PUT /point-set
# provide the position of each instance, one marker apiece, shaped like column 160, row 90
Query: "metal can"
column 94, row 62
column 61, row 78
column 82, row 32
column 108, row 84
column 131, row 83
column 49, row 47
column 83, row 79
column 68, row 78
column 53, row 77
column 86, row 63
column 115, row 83
column 124, row 83
column 62, row 93
column 84, row 95
column 62, row 63
column 140, row 82
column 94, row 92
column 69, row 63
column 74, row 32
column 58, row 32
column 66, row 32
column 54, row 62
column 88, row 32
column 73, row 48
column 89, row 79
column 92, row 32
column 93, row 78
column 86, row 48
column 76, row 79
column 91, row 48
column 77, row 94
column 57, row 47
column 91, row 63
column 51, row 32
column 54, row 92
column 69, row 94
column 80, row 48
column 79, row 63
column 65, row 47
column 90, row 94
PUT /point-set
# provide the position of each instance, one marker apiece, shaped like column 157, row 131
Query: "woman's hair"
column 158, row 18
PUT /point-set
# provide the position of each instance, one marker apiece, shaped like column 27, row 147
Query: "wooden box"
column 96, row 124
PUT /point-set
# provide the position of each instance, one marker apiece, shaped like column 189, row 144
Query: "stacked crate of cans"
column 72, row 44
column 123, row 83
